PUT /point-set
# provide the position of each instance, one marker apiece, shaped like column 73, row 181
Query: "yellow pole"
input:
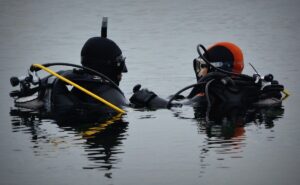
column 79, row 87
column 286, row 93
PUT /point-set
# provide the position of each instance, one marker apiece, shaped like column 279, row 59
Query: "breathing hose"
column 34, row 68
column 182, row 90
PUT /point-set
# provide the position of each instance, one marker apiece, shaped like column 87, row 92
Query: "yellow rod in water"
column 80, row 88
column 101, row 126
column 286, row 93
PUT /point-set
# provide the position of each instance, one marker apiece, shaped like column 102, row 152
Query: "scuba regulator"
column 25, row 83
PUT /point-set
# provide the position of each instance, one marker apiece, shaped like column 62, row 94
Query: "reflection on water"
column 225, row 130
column 229, row 120
column 101, row 139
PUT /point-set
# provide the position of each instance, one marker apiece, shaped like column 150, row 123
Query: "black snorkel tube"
column 104, row 27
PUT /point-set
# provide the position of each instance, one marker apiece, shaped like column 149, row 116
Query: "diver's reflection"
column 102, row 138
column 229, row 118
column 225, row 126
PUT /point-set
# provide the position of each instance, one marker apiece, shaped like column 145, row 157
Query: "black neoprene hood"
column 101, row 49
column 104, row 56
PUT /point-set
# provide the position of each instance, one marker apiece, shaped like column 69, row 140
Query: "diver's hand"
column 141, row 97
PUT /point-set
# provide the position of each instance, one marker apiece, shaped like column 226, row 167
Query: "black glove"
column 141, row 97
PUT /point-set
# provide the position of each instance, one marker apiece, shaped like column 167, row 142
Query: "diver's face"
column 203, row 72
column 200, row 67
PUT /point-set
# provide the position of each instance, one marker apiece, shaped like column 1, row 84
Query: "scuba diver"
column 220, row 83
column 101, row 72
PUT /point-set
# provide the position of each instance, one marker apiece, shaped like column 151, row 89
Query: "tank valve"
column 268, row 77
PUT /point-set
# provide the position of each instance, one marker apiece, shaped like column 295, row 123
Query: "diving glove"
column 145, row 98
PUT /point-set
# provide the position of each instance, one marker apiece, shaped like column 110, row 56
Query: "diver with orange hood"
column 219, row 82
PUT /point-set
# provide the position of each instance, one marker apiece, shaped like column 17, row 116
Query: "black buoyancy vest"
column 65, row 99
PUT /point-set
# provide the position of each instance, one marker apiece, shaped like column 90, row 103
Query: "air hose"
column 33, row 68
column 182, row 90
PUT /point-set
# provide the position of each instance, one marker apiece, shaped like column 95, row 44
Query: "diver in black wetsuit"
column 101, row 72
column 219, row 83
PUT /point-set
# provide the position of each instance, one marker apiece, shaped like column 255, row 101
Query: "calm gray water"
column 152, row 147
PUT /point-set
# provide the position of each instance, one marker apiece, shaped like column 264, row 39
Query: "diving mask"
column 201, row 64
